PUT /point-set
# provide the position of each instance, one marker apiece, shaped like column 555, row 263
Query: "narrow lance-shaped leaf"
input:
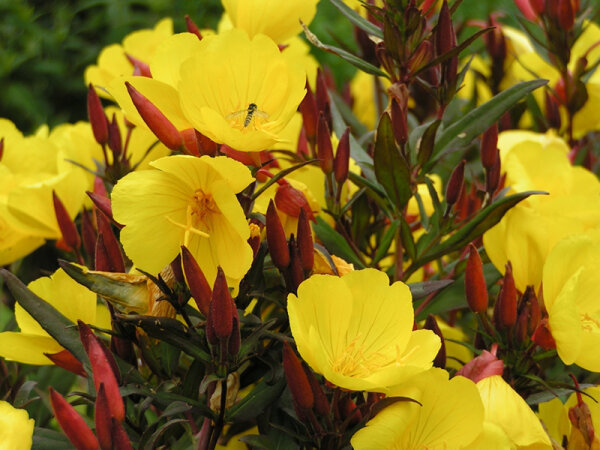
column 391, row 168
column 473, row 124
column 357, row 19
column 56, row 325
column 335, row 242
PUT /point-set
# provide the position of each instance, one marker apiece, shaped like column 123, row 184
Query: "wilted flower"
column 186, row 201
column 357, row 330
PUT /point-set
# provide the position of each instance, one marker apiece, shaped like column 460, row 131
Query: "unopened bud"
column 445, row 41
column 296, row 378
column 542, row 336
column 73, row 425
column 310, row 114
column 350, row 412
column 566, row 14
column 552, row 111
column 88, row 233
column 421, row 56
column 119, row 436
column 97, row 117
column 305, row 242
column 482, row 366
column 341, row 164
column 164, row 130
column 492, row 175
column 296, row 274
column 440, row 358
column 321, row 403
column 196, row 281
column 526, row 8
column 103, row 419
column 140, row 68
column 322, row 95
column 67, row 361
column 324, row 147
column 278, row 246
column 235, row 340
column 291, row 201
column 66, row 225
column 505, row 310
column 489, row 146
column 221, row 307
column 114, row 137
column 455, row 183
column 111, row 245
column 191, row 27
column 475, row 286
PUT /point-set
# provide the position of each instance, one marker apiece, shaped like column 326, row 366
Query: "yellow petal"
column 16, row 428
column 27, row 348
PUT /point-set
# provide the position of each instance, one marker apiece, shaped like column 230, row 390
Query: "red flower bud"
column 305, row 242
column 492, row 176
column 566, row 14
column 88, row 233
column 235, row 340
column 455, row 183
column 104, row 369
column 296, row 378
column 445, row 41
column 440, row 358
column 542, row 336
column 483, row 366
column 296, row 274
column 111, row 248
column 322, row 95
column 302, row 148
column 119, row 436
column 527, row 10
column 191, row 27
column 196, row 281
column 114, row 137
column 1, row 148
column 66, row 225
column 221, row 307
column 291, row 201
column 341, row 163
column 103, row 419
column 505, row 310
column 321, row 403
column 489, row 146
column 310, row 114
column 278, row 246
column 324, row 147
column 164, row 130
column 140, row 68
column 349, row 411
column 67, row 361
column 72, row 423
column 97, row 117
column 421, row 56
column 475, row 287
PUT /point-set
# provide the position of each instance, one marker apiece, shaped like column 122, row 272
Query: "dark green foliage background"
column 45, row 46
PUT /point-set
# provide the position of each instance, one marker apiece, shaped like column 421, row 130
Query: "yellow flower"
column 451, row 416
column 555, row 416
column 278, row 20
column 240, row 91
column 186, row 201
column 509, row 421
column 527, row 233
column 113, row 62
column 68, row 297
column 356, row 330
column 363, row 88
column 570, row 284
column 16, row 428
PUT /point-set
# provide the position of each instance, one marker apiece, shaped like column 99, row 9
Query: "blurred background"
column 46, row 46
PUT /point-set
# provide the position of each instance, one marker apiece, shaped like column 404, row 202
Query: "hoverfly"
column 250, row 114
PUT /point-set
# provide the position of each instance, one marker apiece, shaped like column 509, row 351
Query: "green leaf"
column 45, row 439
column 56, row 325
column 171, row 331
column 257, row 441
column 486, row 219
column 391, row 168
column 257, row 400
column 386, row 241
column 352, row 59
column 427, row 143
column 357, row 19
column 424, row 288
column 464, row 130
column 335, row 243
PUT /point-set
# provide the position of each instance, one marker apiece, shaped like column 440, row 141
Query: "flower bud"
column 445, row 41
column 421, row 56
column 115, row 262
column 114, row 137
column 310, row 114
column 119, row 436
column 302, row 148
column 349, row 411
column 164, row 130
column 191, row 27
column 66, row 225
column 278, row 246
column 322, row 95
column 305, row 242
column 296, row 274
column 324, row 147
column 341, row 163
column 440, row 358
column 455, row 183
column 221, row 307
column 475, row 286
column 235, row 340
column 542, row 335
column 98, row 120
column 505, row 310
column 67, row 361
column 552, row 112
column 291, row 201
column 103, row 419
column 527, row 9
column 489, row 146
column 566, row 14
column 321, row 403
column 483, row 366
column 73, row 425
column 196, row 281
column 140, row 68
column 296, row 378
column 492, row 175
column 88, row 234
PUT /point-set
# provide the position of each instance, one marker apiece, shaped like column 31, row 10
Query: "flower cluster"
column 236, row 250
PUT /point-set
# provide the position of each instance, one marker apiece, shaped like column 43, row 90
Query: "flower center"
column 590, row 323
column 250, row 118
column 354, row 362
column 198, row 209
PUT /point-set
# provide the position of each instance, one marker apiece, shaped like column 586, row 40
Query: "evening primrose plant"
column 246, row 255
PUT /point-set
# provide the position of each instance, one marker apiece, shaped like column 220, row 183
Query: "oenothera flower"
column 187, row 201
column 508, row 421
column 528, row 231
column 278, row 20
column 16, row 428
column 357, row 330
column 571, row 283
column 240, row 91
column 68, row 297
column 450, row 415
